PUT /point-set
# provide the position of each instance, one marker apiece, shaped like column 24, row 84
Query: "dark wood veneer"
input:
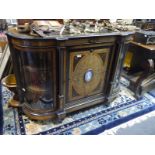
column 61, row 63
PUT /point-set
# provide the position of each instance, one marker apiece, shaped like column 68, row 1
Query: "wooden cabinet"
column 61, row 74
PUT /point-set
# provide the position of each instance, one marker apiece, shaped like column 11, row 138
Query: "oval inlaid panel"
column 88, row 74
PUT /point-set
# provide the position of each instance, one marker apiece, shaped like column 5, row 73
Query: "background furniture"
column 1, row 113
column 5, row 60
column 139, row 66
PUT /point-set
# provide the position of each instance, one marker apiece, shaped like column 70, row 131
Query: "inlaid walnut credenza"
column 65, row 73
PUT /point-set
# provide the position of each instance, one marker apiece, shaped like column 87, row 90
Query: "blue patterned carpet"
column 90, row 121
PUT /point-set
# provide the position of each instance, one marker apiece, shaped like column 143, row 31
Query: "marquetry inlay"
column 87, row 72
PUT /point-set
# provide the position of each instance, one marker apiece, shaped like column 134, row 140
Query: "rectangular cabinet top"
column 14, row 33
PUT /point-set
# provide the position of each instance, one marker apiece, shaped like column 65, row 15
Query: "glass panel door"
column 37, row 77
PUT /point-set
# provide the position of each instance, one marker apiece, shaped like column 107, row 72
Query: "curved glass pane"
column 37, row 78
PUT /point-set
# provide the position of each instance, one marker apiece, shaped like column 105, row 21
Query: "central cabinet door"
column 87, row 69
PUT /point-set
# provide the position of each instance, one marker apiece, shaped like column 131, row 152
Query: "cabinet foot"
column 60, row 116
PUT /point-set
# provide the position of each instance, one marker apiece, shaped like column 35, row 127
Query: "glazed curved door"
column 37, row 74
